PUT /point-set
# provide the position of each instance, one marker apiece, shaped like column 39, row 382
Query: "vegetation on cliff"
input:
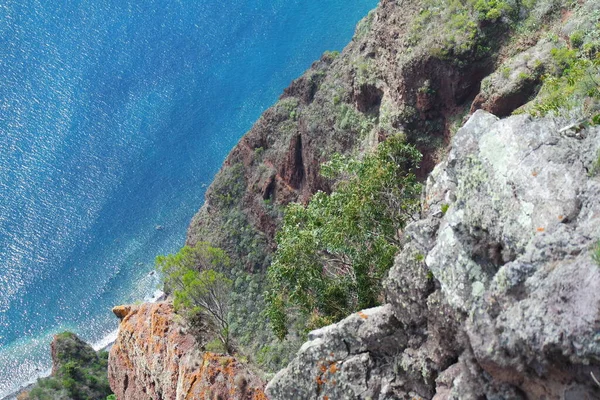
column 200, row 292
column 333, row 253
column 79, row 372
column 415, row 72
column 575, row 86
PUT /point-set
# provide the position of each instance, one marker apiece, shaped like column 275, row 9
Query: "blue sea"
column 114, row 117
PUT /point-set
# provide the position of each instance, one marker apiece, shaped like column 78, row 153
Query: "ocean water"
column 114, row 117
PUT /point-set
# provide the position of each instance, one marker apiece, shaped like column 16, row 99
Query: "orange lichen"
column 534, row 173
column 362, row 315
column 320, row 381
column 541, row 229
column 333, row 368
column 152, row 329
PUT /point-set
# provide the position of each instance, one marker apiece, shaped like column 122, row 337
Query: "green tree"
column 333, row 253
column 199, row 289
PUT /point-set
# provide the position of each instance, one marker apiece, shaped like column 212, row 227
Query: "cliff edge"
column 154, row 358
column 496, row 293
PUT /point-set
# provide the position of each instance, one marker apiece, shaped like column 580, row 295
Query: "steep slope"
column 154, row 358
column 498, row 296
column 78, row 372
column 471, row 307
column 394, row 77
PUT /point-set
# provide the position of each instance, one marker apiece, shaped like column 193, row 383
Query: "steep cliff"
column 393, row 78
column 154, row 358
column 496, row 293
column 78, row 372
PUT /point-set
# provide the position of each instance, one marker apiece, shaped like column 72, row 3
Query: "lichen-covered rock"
column 348, row 360
column 496, row 293
column 154, row 358
column 513, row 251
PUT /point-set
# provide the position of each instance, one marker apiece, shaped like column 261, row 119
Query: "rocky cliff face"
column 78, row 372
column 391, row 79
column 496, row 293
column 154, row 358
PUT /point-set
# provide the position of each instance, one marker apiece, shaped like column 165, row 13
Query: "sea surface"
column 114, row 117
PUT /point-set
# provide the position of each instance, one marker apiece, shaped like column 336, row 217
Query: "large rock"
column 495, row 294
column 346, row 360
column 78, row 372
column 515, row 249
column 153, row 358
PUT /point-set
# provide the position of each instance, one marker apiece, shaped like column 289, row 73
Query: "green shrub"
column 596, row 253
column 333, row 253
column 574, row 84
column 351, row 120
column 445, row 208
column 81, row 372
column 215, row 346
column 490, row 10
column 198, row 288
column 576, row 39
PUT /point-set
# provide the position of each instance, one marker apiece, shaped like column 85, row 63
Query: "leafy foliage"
column 575, row 84
column 81, row 373
column 197, row 286
column 333, row 253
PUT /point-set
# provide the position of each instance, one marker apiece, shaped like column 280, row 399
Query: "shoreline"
column 103, row 344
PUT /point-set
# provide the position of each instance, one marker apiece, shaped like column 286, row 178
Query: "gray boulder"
column 496, row 293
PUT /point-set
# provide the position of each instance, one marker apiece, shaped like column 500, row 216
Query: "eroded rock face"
column 495, row 293
column 515, row 81
column 343, row 103
column 153, row 358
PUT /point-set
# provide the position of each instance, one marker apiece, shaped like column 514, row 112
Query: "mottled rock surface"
column 153, row 358
column 495, row 293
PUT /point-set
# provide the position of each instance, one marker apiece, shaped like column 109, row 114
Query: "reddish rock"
column 121, row 311
column 153, row 358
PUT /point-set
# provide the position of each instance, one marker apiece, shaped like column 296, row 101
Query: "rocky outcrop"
column 67, row 347
column 384, row 83
column 78, row 372
column 515, row 81
column 496, row 293
column 154, row 358
column 344, row 360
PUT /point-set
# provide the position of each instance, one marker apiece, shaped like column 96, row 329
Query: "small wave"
column 106, row 341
